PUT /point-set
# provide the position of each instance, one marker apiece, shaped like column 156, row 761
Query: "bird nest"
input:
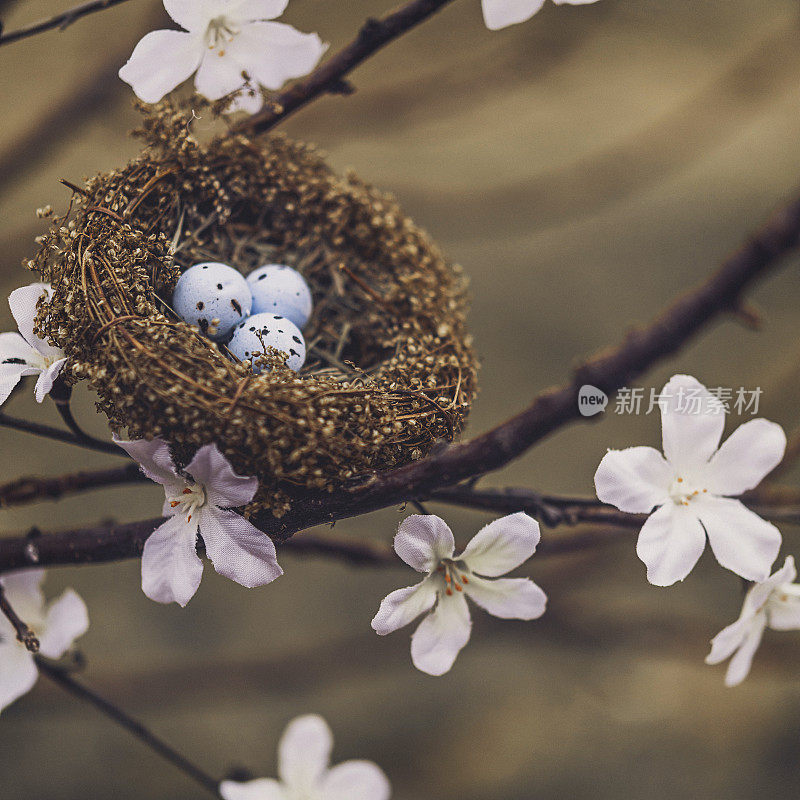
column 390, row 369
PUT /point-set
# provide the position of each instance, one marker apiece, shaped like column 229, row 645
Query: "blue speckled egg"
column 278, row 289
column 213, row 297
column 252, row 337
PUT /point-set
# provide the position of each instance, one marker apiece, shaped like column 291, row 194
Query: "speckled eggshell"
column 255, row 334
column 213, row 297
column 278, row 289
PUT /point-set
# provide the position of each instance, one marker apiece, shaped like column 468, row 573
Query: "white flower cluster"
column 233, row 47
column 25, row 353
column 56, row 626
column 692, row 488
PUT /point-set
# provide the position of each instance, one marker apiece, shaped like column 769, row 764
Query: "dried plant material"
column 390, row 368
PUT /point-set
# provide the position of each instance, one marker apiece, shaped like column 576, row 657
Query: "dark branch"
column 30, row 490
column 62, row 677
column 103, row 543
column 59, row 21
column 329, row 76
column 553, row 511
column 609, row 371
column 549, row 510
column 24, row 633
column 49, row 432
column 554, row 408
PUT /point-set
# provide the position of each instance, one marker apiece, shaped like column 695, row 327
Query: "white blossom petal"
column 423, row 540
column 745, row 458
column 23, row 302
column 218, row 75
column 238, row 549
column 304, row 753
column 441, row 635
column 161, row 61
column 634, row 480
column 740, row 664
column 194, row 15
column 11, row 375
column 729, row 639
column 18, row 672
column 507, row 598
column 502, row 13
column 692, row 420
column 670, row 543
column 223, row 486
column 273, row 53
column 403, row 606
column 759, row 593
column 502, row 545
column 154, row 459
column 47, row 378
column 14, row 348
column 783, row 613
column 23, row 588
column 66, row 620
column 171, row 568
column 248, row 10
column 742, row 541
column 355, row 780
column 260, row 789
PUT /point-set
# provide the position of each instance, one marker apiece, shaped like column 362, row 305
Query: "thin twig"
column 101, row 544
column 49, row 432
column 59, row 21
column 63, row 679
column 420, row 507
column 329, row 76
column 61, row 394
column 554, row 511
column 593, row 522
column 24, row 633
column 33, row 489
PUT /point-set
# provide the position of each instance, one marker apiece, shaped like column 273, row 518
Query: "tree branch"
column 553, row 511
column 609, row 371
column 62, row 678
column 24, row 633
column 59, row 21
column 598, row 523
column 30, row 490
column 417, row 481
column 329, row 76
column 107, row 542
column 49, row 432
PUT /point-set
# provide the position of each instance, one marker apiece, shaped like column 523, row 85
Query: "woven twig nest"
column 390, row 368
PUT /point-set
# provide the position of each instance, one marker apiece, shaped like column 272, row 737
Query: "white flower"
column 24, row 353
column 304, row 753
column 56, row 625
column 222, row 39
column 501, row 13
column 775, row 604
column 197, row 499
column 693, row 487
column 425, row 542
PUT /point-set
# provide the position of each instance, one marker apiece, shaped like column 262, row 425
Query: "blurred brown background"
column 584, row 167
